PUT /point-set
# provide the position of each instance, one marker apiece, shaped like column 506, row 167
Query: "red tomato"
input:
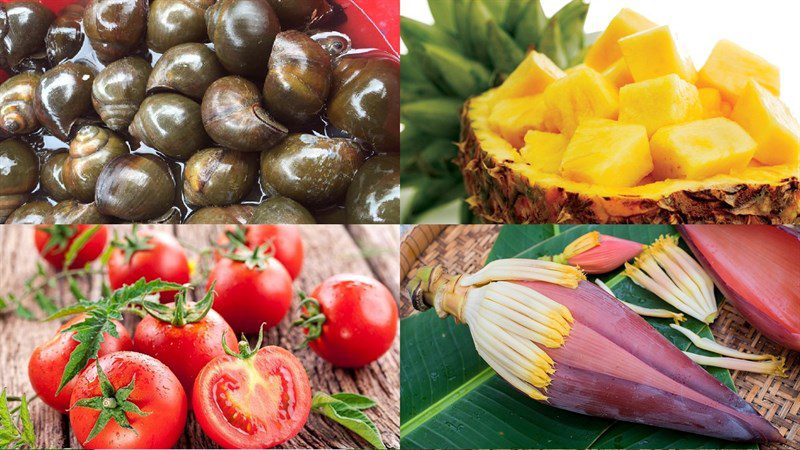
column 156, row 392
column 287, row 244
column 58, row 239
column 256, row 400
column 155, row 256
column 360, row 320
column 247, row 297
column 47, row 363
column 184, row 349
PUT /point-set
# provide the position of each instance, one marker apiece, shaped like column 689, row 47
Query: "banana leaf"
column 450, row 398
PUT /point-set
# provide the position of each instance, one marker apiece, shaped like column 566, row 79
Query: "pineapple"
column 543, row 150
column 730, row 67
column 701, row 149
column 618, row 73
column 605, row 51
column 770, row 123
column 607, row 154
column 659, row 102
column 582, row 94
column 535, row 73
column 654, row 53
column 513, row 117
column 713, row 106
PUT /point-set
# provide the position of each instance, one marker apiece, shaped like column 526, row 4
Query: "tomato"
column 257, row 399
column 156, row 392
column 47, row 363
column 287, row 244
column 153, row 256
column 359, row 320
column 186, row 348
column 251, row 293
column 53, row 241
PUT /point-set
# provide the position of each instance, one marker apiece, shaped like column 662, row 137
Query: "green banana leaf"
column 450, row 398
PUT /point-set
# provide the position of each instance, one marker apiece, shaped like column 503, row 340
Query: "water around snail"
column 207, row 131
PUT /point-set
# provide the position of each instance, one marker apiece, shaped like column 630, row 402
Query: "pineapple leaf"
column 552, row 45
column 410, row 72
column 571, row 19
column 503, row 51
column 443, row 12
column 462, row 76
column 417, row 33
column 530, row 28
column 514, row 13
column 435, row 116
column 478, row 18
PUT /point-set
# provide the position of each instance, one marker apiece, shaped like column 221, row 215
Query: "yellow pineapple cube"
column 531, row 77
column 605, row 50
column 701, row 149
column 544, row 150
column 613, row 154
column 730, row 67
column 654, row 53
column 659, row 102
column 513, row 117
column 582, row 94
column 712, row 102
column 618, row 73
column 770, row 123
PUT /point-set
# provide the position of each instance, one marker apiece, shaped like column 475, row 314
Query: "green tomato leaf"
column 351, row 418
column 28, row 435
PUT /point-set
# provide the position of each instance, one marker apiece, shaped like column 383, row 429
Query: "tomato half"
column 155, row 256
column 58, row 239
column 156, row 392
column 247, row 297
column 255, row 401
column 184, row 349
column 287, row 243
column 360, row 320
column 47, row 363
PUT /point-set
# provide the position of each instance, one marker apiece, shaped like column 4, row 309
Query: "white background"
column 769, row 28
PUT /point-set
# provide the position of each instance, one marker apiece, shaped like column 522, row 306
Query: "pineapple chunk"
column 544, row 150
column 513, row 117
column 618, row 73
column 531, row 77
column 610, row 154
column 659, row 102
column 654, row 53
column 770, row 123
column 730, row 66
column 712, row 103
column 605, row 50
column 701, row 149
column 583, row 94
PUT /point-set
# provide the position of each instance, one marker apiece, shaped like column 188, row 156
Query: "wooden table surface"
column 329, row 249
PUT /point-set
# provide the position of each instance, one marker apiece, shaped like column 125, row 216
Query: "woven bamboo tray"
column 465, row 248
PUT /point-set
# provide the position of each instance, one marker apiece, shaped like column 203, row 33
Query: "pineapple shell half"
column 503, row 189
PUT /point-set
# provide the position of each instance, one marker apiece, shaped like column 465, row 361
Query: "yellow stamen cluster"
column 525, row 270
column 584, row 243
column 641, row 310
column 668, row 271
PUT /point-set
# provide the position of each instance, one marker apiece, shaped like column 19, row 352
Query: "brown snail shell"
column 219, row 177
column 173, row 22
column 91, row 149
column 365, row 100
column 187, row 69
column 281, row 210
column 135, row 188
column 23, row 26
column 171, row 124
column 301, row 13
column 243, row 32
column 234, row 118
column 115, row 28
column 63, row 96
column 65, row 35
column 74, row 212
column 52, row 177
column 335, row 43
column 31, row 213
column 17, row 115
column 234, row 214
column 299, row 78
column 19, row 175
column 118, row 91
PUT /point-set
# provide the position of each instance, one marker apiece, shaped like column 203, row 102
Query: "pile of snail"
column 195, row 111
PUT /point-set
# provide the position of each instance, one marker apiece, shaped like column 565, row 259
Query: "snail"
column 235, row 214
column 118, row 91
column 31, row 213
column 91, row 149
column 19, row 174
column 280, row 210
column 374, row 194
column 219, row 177
column 17, row 115
column 65, row 35
column 173, row 22
column 243, row 32
column 115, row 28
column 52, row 176
column 171, row 124
column 135, row 188
column 74, row 212
column 301, row 14
column 64, row 96
column 187, row 69
column 23, row 26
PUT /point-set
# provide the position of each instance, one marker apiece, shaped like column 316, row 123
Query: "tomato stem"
column 311, row 319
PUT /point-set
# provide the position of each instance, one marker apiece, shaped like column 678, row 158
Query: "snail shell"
column 240, row 214
column 301, row 13
column 65, row 36
column 115, row 28
column 219, row 177
column 173, row 22
column 91, row 149
column 335, row 43
column 234, row 118
column 299, row 78
column 243, row 32
column 19, row 175
column 118, row 91
column 63, row 96
column 17, row 115
column 73, row 212
column 374, row 194
column 52, row 177
column 31, row 213
column 281, row 210
column 23, row 26
column 188, row 69
column 135, row 188
column 171, row 124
